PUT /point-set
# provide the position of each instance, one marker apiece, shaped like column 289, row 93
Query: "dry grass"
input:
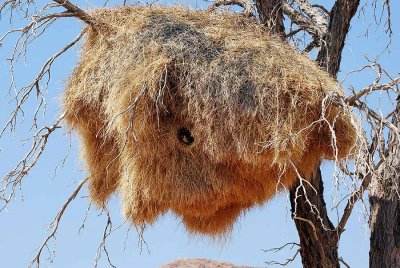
column 202, row 114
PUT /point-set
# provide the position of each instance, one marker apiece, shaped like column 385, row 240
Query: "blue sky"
column 24, row 225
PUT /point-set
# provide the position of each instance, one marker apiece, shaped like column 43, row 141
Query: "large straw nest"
column 199, row 113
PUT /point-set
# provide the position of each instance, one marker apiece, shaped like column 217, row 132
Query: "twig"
column 343, row 262
column 355, row 197
column 364, row 107
column 56, row 223
column 289, row 260
column 291, row 244
column 24, row 93
column 12, row 181
column 102, row 247
column 352, row 99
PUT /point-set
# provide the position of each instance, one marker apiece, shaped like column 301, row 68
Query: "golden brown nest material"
column 199, row 113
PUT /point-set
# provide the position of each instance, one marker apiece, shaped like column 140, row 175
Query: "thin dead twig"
column 103, row 247
column 375, row 87
column 288, row 260
column 12, row 181
column 355, row 197
column 24, row 93
column 56, row 223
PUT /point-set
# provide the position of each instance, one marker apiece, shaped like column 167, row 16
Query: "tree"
column 314, row 29
column 385, row 206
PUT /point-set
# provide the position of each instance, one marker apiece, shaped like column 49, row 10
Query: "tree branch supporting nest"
column 78, row 13
column 248, row 7
column 321, row 251
column 271, row 15
column 316, row 25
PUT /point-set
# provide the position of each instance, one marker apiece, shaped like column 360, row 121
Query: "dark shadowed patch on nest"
column 201, row 114
column 179, row 40
column 246, row 95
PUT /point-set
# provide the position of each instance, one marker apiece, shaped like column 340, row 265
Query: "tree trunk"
column 318, row 242
column 385, row 206
column 330, row 55
column 318, row 237
column 270, row 13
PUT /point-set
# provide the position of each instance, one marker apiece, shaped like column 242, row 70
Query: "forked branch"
column 78, row 12
column 55, row 225
column 355, row 197
column 315, row 27
column 13, row 180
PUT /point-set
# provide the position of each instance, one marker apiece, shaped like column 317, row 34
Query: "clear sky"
column 24, row 225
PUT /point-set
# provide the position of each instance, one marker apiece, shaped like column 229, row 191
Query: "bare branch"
column 355, row 197
column 317, row 17
column 387, row 86
column 291, row 244
column 248, row 7
column 12, row 181
column 316, row 28
column 289, row 260
column 343, row 262
column 364, row 107
column 24, row 93
column 103, row 247
column 55, row 225
column 79, row 13
column 323, row 9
